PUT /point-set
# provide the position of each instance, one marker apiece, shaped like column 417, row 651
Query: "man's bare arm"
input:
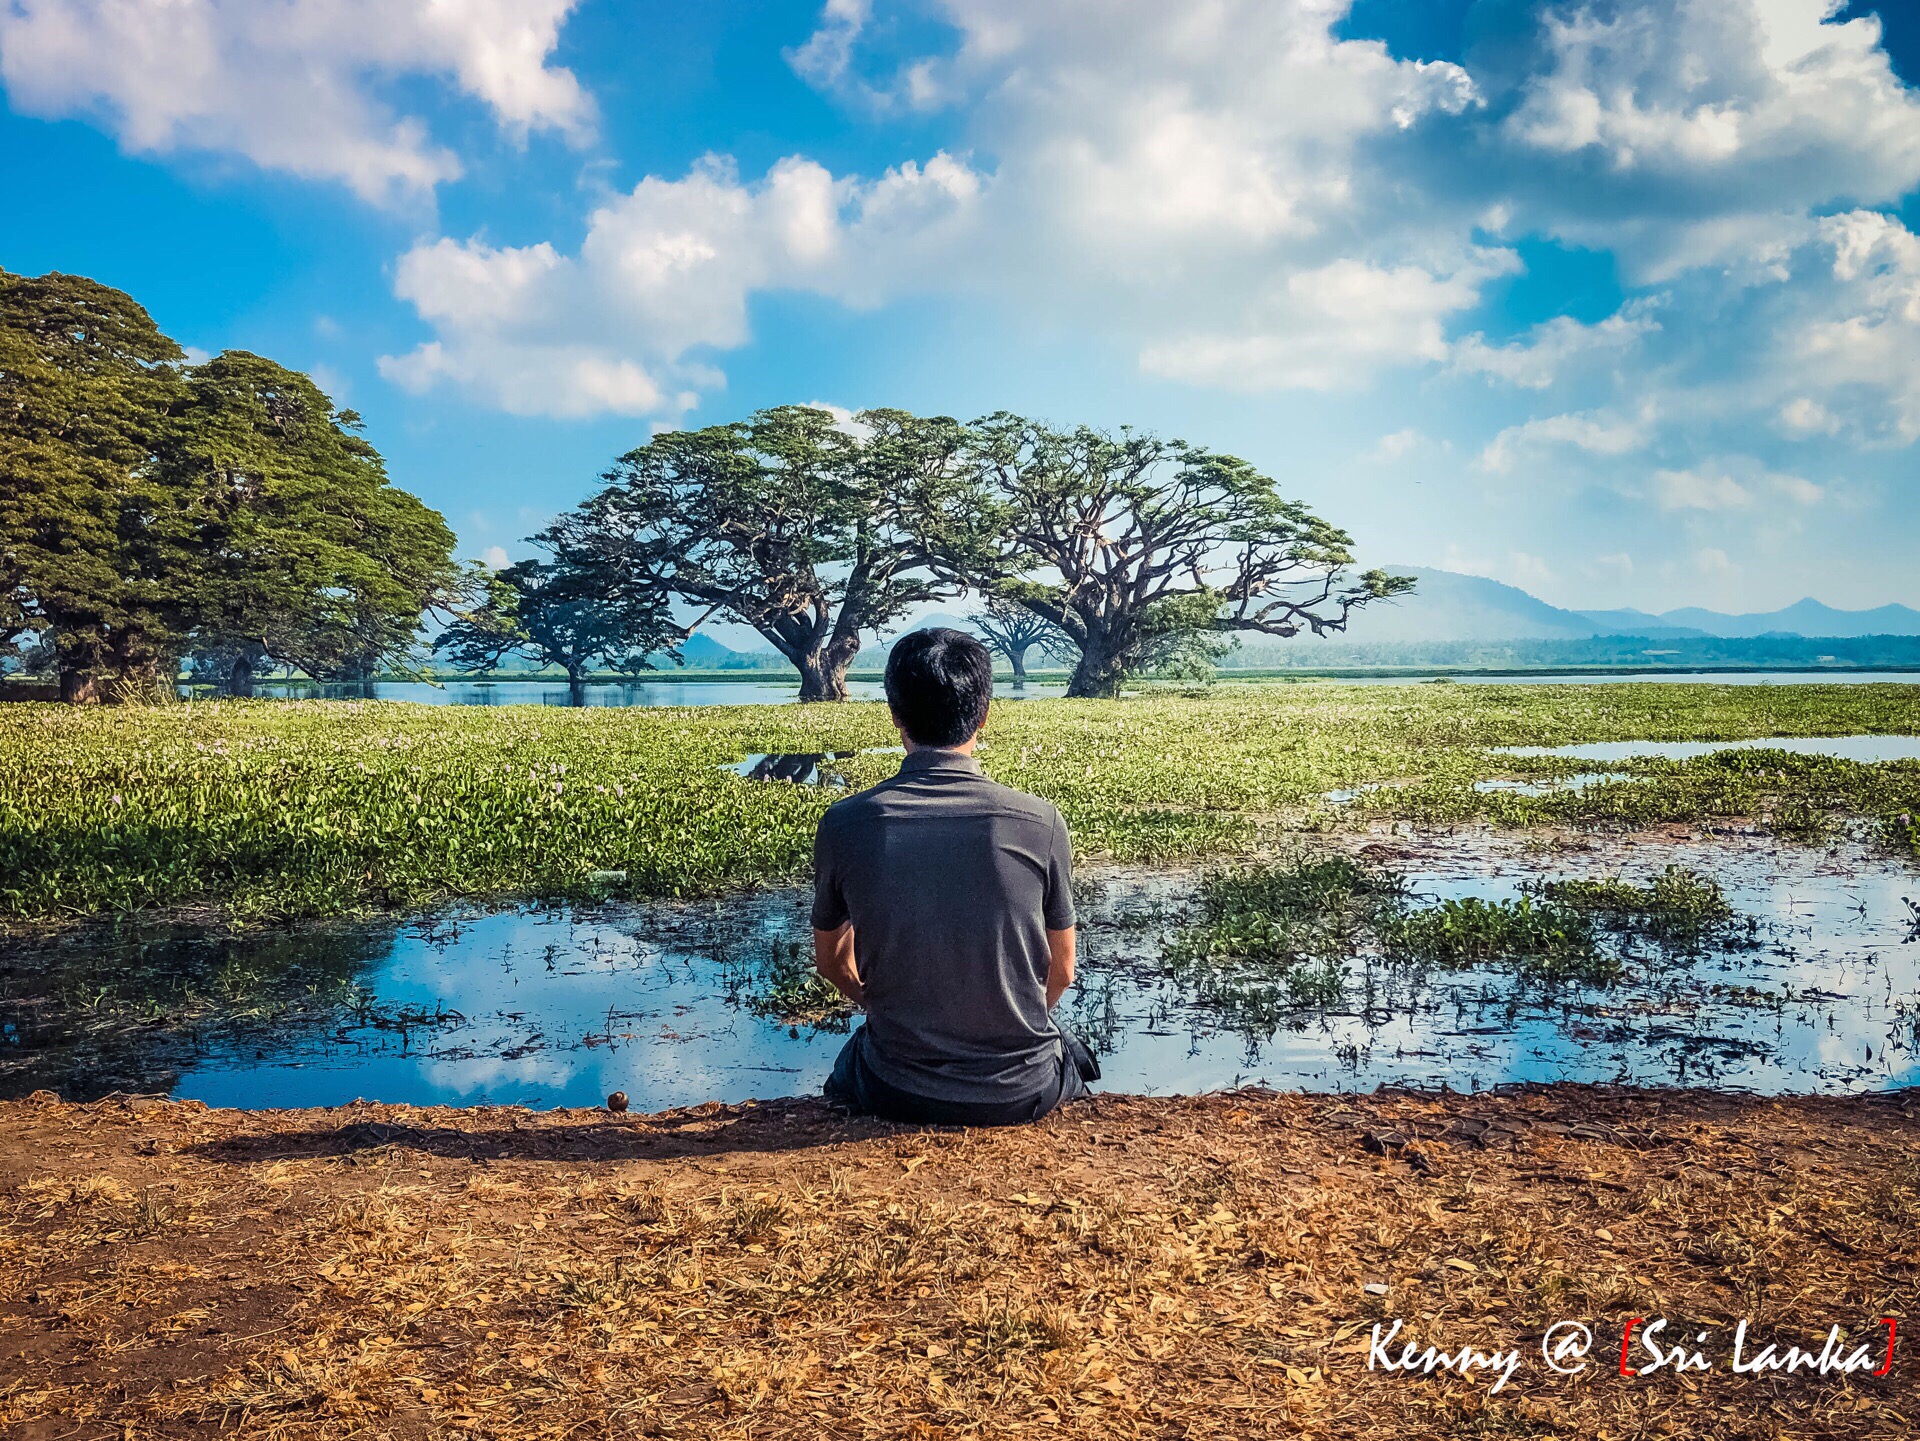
column 833, row 959
column 1059, row 965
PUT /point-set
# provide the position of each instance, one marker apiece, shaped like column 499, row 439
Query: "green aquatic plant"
column 1316, row 907
column 271, row 809
column 1544, row 940
column 783, row 986
column 1272, row 940
column 1680, row 905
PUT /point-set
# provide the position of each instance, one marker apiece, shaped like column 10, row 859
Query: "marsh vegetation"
column 1328, row 885
column 274, row 811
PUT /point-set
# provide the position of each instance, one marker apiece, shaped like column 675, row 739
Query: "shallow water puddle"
column 799, row 767
column 1863, row 748
column 563, row 1005
column 805, row 768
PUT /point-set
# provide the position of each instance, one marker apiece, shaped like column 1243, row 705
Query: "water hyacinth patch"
column 270, row 809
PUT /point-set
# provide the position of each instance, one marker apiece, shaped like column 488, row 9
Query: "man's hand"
column 833, row 959
column 1059, row 964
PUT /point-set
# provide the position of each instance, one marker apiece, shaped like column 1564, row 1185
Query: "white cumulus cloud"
column 1537, row 359
column 295, row 85
column 664, row 271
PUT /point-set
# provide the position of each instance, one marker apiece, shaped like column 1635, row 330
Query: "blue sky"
column 1619, row 302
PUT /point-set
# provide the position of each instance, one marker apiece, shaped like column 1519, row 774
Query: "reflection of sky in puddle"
column 1510, row 785
column 563, row 1006
column 1853, row 976
column 1850, row 748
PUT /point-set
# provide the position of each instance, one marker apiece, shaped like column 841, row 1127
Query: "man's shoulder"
column 1022, row 803
column 990, row 795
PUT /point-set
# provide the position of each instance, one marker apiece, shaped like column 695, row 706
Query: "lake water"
column 778, row 690
column 1863, row 748
column 561, row 1006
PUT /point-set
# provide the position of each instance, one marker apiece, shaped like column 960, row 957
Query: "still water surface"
column 1866, row 749
column 779, row 691
column 561, row 1006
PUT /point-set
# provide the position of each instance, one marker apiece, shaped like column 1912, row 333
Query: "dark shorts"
column 854, row 1085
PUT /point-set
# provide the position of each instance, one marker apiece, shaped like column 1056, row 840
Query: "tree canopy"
column 1124, row 540
column 149, row 508
column 303, row 552
column 806, row 528
column 570, row 611
column 86, row 382
column 1012, row 630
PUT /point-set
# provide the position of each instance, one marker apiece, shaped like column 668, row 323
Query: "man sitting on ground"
column 943, row 905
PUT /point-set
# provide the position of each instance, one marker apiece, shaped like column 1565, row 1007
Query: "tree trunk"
column 79, row 687
column 1017, row 657
column 1101, row 669
column 576, row 686
column 240, row 681
column 823, row 676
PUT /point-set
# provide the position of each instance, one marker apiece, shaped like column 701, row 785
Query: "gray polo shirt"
column 952, row 882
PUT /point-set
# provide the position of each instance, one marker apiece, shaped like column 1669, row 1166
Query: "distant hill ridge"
column 1450, row 606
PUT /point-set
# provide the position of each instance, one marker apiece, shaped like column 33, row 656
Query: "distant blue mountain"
column 1449, row 606
column 1803, row 618
column 1637, row 622
column 706, row 652
column 1446, row 605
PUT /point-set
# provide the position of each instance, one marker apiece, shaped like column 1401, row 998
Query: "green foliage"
column 1277, row 937
column 280, row 809
column 574, row 611
column 293, row 546
column 1323, row 907
column 86, row 382
column 1680, row 904
column 146, row 509
column 1274, row 939
column 807, row 530
column 1140, row 539
column 1013, row 631
column 1540, row 939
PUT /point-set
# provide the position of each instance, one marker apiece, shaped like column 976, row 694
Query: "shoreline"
column 1130, row 1267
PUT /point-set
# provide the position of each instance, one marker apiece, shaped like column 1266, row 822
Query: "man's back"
column 951, row 882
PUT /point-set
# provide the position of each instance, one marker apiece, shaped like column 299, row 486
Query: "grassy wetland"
column 1336, row 888
column 264, row 811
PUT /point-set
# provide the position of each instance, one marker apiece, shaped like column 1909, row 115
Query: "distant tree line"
column 152, row 510
column 1123, row 552
column 1657, row 652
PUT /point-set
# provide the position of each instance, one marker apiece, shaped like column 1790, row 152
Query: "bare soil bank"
column 1211, row 1266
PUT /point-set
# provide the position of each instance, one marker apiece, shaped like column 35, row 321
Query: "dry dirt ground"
column 1132, row 1267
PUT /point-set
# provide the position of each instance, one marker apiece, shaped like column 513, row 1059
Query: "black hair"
column 938, row 683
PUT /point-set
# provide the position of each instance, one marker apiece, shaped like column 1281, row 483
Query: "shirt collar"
column 929, row 758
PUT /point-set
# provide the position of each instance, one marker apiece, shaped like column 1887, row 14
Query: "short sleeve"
column 829, row 904
column 1059, row 899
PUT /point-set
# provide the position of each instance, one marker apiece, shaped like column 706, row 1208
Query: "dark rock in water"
column 617, row 1102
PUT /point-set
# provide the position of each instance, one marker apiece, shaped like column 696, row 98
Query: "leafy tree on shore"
column 569, row 612
column 1122, row 541
column 86, row 381
column 303, row 552
column 808, row 530
column 1012, row 630
column 147, row 510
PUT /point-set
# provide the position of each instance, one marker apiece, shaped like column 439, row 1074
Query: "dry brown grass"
column 1129, row 1268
